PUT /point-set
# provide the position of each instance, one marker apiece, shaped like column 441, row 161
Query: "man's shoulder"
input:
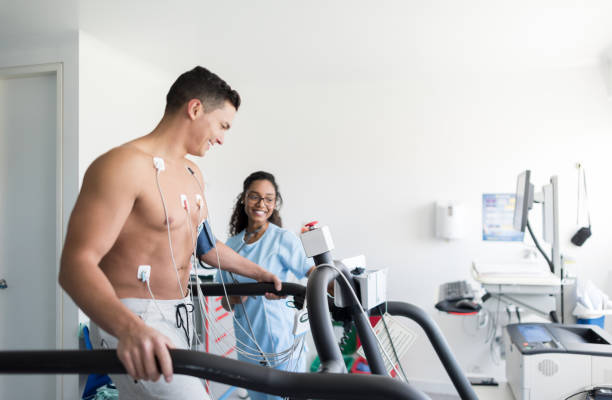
column 124, row 158
column 119, row 165
column 129, row 155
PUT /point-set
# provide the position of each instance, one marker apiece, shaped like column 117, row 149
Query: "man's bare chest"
column 173, row 198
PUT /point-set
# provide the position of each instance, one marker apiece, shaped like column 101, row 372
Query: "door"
column 28, row 224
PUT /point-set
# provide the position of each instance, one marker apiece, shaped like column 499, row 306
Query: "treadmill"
column 330, row 382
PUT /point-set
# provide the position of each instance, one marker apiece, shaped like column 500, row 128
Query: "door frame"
column 56, row 69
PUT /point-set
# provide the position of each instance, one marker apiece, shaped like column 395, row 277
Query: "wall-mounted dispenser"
column 450, row 220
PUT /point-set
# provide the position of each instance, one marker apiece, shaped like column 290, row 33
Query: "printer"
column 553, row 361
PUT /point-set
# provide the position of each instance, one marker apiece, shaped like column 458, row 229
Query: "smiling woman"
column 258, row 186
column 264, row 328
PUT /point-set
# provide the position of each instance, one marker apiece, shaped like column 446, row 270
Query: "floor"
column 501, row 392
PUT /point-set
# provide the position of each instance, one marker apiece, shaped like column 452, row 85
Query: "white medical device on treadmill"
column 371, row 283
column 316, row 240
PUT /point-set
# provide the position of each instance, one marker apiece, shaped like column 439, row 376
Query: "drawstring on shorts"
column 184, row 323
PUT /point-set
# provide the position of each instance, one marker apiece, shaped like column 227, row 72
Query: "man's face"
column 210, row 128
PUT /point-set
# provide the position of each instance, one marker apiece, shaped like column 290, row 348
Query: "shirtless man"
column 127, row 211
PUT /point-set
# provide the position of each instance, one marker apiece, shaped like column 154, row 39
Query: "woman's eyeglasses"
column 255, row 199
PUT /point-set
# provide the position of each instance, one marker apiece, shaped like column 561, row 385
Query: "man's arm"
column 105, row 202
column 234, row 262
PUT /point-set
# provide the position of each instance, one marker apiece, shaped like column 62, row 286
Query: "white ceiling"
column 27, row 21
column 332, row 38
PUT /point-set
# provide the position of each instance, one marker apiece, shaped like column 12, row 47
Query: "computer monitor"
column 549, row 198
column 524, row 200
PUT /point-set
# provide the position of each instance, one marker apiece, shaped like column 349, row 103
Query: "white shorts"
column 182, row 386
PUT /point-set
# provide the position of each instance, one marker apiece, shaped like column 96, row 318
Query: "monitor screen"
column 498, row 218
column 534, row 333
column 524, row 200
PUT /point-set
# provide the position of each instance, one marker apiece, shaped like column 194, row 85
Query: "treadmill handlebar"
column 250, row 289
column 437, row 340
column 219, row 369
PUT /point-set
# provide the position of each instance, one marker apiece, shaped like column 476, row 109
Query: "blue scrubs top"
column 280, row 252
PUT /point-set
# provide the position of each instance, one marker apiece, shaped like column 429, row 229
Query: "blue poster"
column 498, row 218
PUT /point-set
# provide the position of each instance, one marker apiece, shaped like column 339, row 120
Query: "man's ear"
column 194, row 108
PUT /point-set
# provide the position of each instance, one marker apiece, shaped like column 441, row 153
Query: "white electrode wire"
column 242, row 306
column 297, row 360
column 218, row 259
column 202, row 313
column 244, row 243
column 228, row 302
column 194, row 244
column 246, row 315
column 277, row 358
column 155, row 301
column 278, row 355
column 223, row 281
column 258, row 355
column 198, row 282
column 297, row 341
column 253, row 356
column 289, row 367
column 365, row 315
column 249, row 355
column 178, row 279
column 193, row 261
column 289, row 361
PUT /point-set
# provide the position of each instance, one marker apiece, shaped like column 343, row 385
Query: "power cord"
column 550, row 264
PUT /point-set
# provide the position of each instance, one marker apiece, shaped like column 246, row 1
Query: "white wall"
column 120, row 98
column 368, row 157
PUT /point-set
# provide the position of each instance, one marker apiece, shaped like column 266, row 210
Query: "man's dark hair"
column 200, row 83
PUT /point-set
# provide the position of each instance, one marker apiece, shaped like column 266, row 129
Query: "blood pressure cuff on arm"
column 206, row 239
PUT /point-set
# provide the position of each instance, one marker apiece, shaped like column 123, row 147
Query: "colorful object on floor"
column 97, row 382
column 348, row 361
